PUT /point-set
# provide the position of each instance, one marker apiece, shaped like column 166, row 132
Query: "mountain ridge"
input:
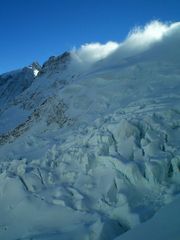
column 90, row 147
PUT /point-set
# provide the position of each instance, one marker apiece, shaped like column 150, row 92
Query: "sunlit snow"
column 89, row 147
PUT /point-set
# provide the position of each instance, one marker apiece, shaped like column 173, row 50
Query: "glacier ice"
column 90, row 149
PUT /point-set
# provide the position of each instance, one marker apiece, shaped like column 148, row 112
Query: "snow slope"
column 12, row 84
column 164, row 225
column 90, row 148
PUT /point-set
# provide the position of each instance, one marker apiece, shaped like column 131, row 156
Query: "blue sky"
column 36, row 29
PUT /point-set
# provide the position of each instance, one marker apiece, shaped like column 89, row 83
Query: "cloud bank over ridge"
column 140, row 39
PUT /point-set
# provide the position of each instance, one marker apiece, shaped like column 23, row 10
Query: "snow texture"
column 89, row 142
column 164, row 225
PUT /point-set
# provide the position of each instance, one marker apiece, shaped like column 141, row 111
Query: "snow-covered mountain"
column 14, row 83
column 90, row 141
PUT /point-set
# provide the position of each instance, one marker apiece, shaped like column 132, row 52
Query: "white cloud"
column 149, row 34
column 94, row 51
column 138, row 40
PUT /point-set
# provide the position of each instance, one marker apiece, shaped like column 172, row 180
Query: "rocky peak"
column 36, row 67
column 56, row 62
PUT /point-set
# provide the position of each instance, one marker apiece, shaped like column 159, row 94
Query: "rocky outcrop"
column 58, row 63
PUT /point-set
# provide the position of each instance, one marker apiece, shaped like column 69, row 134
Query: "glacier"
column 90, row 141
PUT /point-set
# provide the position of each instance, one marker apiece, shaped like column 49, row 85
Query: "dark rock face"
column 59, row 62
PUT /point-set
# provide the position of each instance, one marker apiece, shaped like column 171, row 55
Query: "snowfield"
column 90, row 142
column 164, row 225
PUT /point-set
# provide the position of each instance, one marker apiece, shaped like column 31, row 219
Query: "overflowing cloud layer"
column 95, row 51
column 138, row 40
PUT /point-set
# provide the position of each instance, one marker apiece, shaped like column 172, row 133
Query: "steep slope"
column 94, row 147
column 13, row 84
column 163, row 226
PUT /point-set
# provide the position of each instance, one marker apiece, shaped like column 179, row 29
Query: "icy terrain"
column 164, row 225
column 90, row 141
